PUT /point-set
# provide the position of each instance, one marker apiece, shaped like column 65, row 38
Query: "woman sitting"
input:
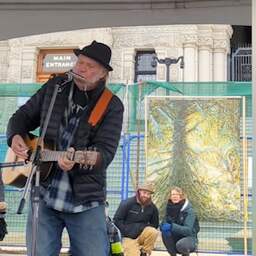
column 180, row 225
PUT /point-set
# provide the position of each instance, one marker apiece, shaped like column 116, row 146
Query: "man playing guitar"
column 73, row 195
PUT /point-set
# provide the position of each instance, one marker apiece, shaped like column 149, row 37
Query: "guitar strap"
column 100, row 107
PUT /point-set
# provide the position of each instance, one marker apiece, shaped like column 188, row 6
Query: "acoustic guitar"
column 16, row 171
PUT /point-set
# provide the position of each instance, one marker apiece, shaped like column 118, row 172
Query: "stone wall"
column 205, row 49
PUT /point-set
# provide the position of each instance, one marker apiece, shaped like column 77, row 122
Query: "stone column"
column 221, row 47
column 127, row 77
column 15, row 55
column 128, row 62
column 8, row 104
column 29, row 64
column 219, row 65
column 190, row 57
column 161, row 68
column 205, row 58
column 4, row 51
column 204, row 64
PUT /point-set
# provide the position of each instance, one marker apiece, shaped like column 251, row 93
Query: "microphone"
column 66, row 77
column 63, row 78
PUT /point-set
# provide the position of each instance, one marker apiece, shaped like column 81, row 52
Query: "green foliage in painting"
column 195, row 144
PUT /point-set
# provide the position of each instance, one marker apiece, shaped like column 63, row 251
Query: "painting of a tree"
column 194, row 143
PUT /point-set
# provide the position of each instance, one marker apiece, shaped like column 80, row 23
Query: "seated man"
column 138, row 220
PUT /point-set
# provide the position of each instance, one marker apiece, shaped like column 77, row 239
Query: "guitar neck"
column 53, row 156
column 84, row 157
column 80, row 157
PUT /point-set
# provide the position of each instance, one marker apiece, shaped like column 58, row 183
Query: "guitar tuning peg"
column 81, row 166
column 85, row 166
column 92, row 148
column 87, row 158
column 30, row 156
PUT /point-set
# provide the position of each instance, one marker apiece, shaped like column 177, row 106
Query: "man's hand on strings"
column 19, row 146
column 65, row 163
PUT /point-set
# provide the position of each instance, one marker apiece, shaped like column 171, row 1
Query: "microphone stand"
column 35, row 190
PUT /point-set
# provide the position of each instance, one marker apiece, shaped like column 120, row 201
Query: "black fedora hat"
column 97, row 51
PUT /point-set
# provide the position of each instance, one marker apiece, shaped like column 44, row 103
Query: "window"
column 143, row 68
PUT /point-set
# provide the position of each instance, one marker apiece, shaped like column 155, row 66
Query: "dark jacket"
column 88, row 185
column 131, row 217
column 186, row 224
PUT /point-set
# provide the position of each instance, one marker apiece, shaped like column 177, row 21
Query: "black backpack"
column 115, row 239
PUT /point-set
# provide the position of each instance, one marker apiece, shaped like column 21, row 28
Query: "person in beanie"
column 137, row 218
column 73, row 194
column 180, row 225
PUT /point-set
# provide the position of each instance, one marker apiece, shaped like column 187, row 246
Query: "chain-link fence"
column 129, row 165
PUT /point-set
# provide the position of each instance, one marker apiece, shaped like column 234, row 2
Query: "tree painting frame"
column 195, row 143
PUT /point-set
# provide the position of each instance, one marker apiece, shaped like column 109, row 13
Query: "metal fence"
column 217, row 237
column 241, row 64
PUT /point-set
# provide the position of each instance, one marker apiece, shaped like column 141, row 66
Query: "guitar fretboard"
column 51, row 156
column 81, row 157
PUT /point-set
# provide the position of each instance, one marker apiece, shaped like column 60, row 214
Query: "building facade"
column 205, row 50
